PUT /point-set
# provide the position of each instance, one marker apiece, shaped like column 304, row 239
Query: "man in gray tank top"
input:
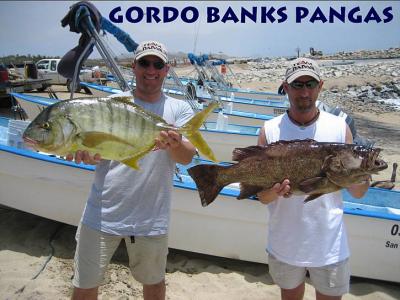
column 131, row 205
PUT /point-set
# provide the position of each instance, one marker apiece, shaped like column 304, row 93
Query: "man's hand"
column 168, row 140
column 278, row 190
column 85, row 157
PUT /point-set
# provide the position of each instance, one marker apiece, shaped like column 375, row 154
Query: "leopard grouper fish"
column 313, row 168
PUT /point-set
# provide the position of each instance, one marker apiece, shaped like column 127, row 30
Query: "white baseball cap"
column 302, row 67
column 151, row 48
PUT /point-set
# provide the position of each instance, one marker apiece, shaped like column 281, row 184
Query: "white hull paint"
column 223, row 143
column 228, row 227
column 232, row 119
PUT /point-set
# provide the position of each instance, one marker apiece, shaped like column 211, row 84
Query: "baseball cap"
column 151, row 48
column 302, row 67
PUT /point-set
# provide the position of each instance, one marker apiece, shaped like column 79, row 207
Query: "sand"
column 26, row 243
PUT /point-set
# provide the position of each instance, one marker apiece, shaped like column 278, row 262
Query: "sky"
column 34, row 27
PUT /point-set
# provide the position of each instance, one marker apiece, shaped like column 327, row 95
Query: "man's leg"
column 320, row 296
column 293, row 294
column 93, row 253
column 331, row 282
column 147, row 261
column 289, row 278
column 154, row 291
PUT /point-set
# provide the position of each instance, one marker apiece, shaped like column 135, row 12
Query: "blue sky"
column 33, row 27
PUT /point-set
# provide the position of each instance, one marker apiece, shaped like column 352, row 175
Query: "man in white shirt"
column 307, row 237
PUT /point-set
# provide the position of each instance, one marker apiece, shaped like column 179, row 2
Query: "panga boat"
column 53, row 188
column 256, row 106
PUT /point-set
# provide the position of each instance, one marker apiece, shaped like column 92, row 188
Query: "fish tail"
column 191, row 131
column 205, row 177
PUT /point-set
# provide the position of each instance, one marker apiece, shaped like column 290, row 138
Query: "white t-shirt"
column 127, row 202
column 307, row 234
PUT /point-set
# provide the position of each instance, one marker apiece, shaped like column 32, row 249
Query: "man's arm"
column 180, row 151
column 356, row 190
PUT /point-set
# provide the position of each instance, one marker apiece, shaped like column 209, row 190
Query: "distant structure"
column 298, row 51
column 314, row 52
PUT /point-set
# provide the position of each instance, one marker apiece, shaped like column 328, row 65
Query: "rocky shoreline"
column 355, row 86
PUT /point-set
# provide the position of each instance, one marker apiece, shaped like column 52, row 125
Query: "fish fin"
column 205, row 177
column 92, row 139
column 239, row 154
column 247, row 190
column 312, row 184
column 123, row 99
column 140, row 110
column 312, row 197
column 191, row 131
column 198, row 141
column 133, row 161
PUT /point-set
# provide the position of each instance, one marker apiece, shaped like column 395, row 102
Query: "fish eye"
column 46, row 125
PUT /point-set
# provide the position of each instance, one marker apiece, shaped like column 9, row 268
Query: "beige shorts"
column 94, row 250
column 331, row 280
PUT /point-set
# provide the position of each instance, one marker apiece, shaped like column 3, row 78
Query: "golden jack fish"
column 115, row 128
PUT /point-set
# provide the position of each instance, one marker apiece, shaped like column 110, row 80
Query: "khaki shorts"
column 331, row 280
column 94, row 250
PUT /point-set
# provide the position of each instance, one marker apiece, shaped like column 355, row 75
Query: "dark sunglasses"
column 297, row 85
column 145, row 64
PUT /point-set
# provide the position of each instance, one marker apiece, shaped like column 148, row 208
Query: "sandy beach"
column 36, row 254
column 26, row 245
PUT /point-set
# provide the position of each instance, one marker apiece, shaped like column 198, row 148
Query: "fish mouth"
column 380, row 165
column 30, row 142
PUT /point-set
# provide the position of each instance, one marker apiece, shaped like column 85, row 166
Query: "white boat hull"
column 371, row 255
column 227, row 228
column 223, row 143
column 239, row 120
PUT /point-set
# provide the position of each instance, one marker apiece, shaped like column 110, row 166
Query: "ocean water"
column 395, row 102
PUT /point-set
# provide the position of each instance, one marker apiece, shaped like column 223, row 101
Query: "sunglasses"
column 145, row 64
column 297, row 85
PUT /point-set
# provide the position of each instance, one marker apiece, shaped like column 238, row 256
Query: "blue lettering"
column 301, row 13
column 282, row 14
column 338, row 15
column 267, row 14
column 372, row 15
column 193, row 10
column 247, row 14
column 318, row 15
column 112, row 17
column 167, row 10
column 212, row 14
column 152, row 13
column 230, row 16
column 138, row 10
column 352, row 12
column 388, row 14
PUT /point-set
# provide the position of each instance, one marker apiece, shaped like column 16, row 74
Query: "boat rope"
column 60, row 225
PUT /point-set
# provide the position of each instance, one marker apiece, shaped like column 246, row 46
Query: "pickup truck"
column 19, row 78
column 47, row 68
